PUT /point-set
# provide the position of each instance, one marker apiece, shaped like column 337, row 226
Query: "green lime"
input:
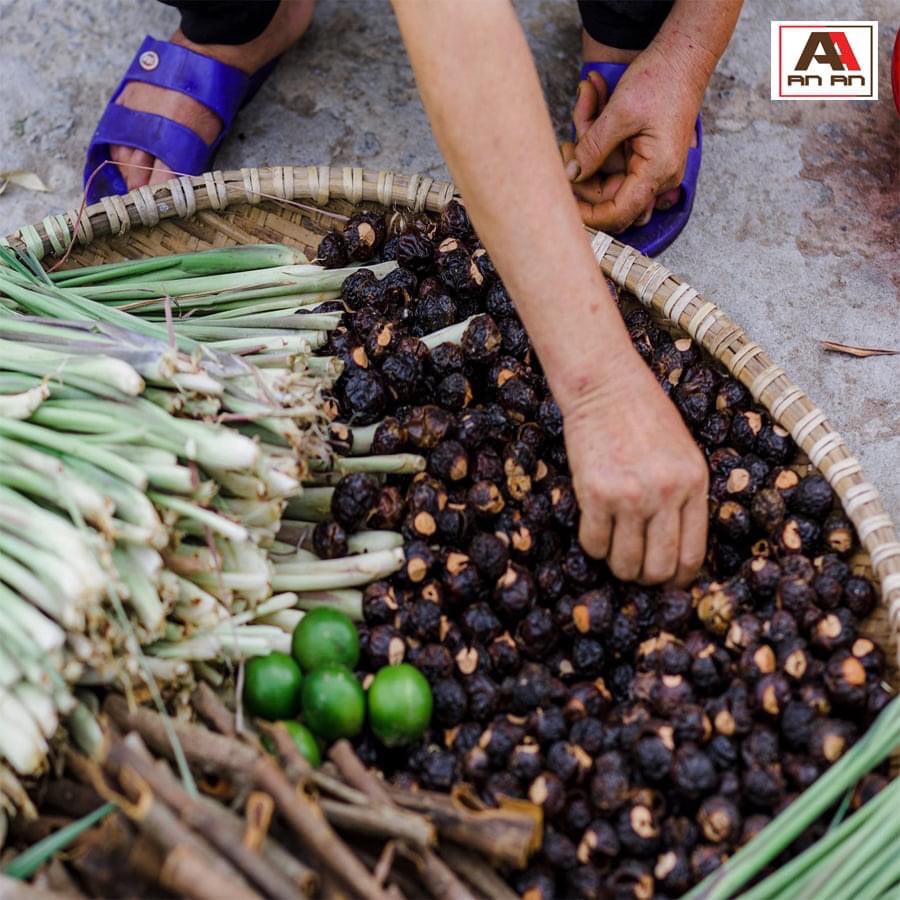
column 324, row 636
column 399, row 704
column 305, row 742
column 334, row 705
column 272, row 686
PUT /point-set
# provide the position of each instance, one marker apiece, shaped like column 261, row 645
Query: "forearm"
column 696, row 33
column 481, row 92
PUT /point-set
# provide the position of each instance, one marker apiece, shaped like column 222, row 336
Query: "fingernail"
column 573, row 170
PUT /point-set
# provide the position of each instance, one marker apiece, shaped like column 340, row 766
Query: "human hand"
column 632, row 146
column 639, row 477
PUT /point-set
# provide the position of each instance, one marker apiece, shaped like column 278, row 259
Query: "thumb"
column 594, row 146
column 587, row 106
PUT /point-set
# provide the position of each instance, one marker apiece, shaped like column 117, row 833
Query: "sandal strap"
column 218, row 86
column 177, row 146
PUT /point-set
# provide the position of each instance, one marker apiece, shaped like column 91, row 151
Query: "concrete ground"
column 796, row 226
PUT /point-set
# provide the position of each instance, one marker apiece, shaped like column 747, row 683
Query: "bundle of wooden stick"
column 259, row 824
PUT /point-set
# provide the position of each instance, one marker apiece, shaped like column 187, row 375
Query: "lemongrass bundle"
column 144, row 477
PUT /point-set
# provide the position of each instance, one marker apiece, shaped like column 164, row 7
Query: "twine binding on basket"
column 655, row 286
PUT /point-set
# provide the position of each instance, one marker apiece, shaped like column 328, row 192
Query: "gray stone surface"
column 795, row 229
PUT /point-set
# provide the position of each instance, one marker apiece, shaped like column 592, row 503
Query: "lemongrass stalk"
column 50, row 529
column 208, row 444
column 209, row 519
column 31, row 860
column 374, row 541
column 131, row 505
column 361, row 439
column 277, row 306
column 197, row 382
column 85, row 730
column 348, row 601
column 71, row 446
column 789, row 875
column 21, row 406
column 55, row 551
column 142, row 455
column 40, row 705
column 208, row 673
column 292, row 342
column 52, row 570
column 331, row 574
column 253, row 583
column 452, row 334
column 177, row 479
column 299, row 556
column 274, row 604
column 313, row 505
column 46, row 635
column 216, row 261
column 189, row 559
column 882, row 737
column 208, row 329
column 266, row 412
column 103, row 369
column 271, row 282
column 874, row 866
column 12, row 788
column 170, row 401
column 206, row 613
column 202, row 407
column 240, row 484
column 143, row 596
column 388, row 464
column 35, row 591
column 280, row 485
column 252, row 513
column 286, row 619
column 70, row 304
column 244, row 642
column 21, row 741
column 91, row 505
column 19, row 645
column 212, row 334
column 10, row 673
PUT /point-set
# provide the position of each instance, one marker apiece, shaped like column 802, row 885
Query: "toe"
column 668, row 199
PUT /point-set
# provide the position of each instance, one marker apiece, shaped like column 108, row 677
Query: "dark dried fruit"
column 482, row 340
column 332, row 251
column 329, row 540
column 354, row 497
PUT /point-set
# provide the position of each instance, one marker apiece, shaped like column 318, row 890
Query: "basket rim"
column 655, row 286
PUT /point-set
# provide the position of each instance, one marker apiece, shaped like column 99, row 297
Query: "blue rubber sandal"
column 222, row 88
column 665, row 224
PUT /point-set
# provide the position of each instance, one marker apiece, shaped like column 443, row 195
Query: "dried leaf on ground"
column 851, row 350
column 28, row 180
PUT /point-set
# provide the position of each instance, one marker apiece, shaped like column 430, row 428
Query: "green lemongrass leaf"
column 27, row 863
column 272, row 282
column 216, row 261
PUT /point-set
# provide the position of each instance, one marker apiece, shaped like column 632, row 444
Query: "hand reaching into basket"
column 640, row 479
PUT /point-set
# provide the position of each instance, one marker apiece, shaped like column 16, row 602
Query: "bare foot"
column 615, row 165
column 138, row 167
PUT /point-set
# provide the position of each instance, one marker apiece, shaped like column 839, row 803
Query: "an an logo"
column 825, row 60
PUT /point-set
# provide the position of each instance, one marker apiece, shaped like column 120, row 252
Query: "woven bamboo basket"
column 296, row 205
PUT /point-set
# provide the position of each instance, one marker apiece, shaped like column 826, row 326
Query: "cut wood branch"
column 214, row 753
